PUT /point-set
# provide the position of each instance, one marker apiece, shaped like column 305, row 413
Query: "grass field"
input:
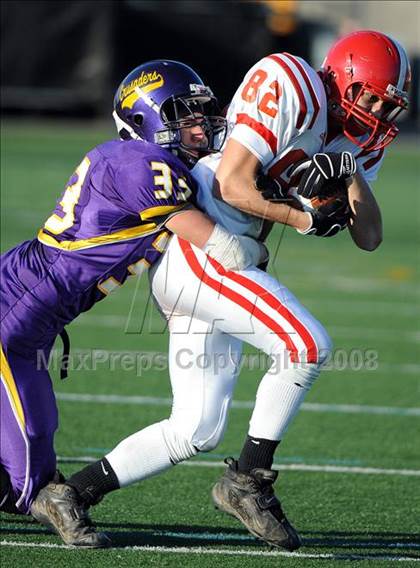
column 350, row 462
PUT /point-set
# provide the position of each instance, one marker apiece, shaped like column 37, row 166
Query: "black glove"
column 323, row 171
column 328, row 220
column 271, row 189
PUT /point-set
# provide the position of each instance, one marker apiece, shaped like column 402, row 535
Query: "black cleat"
column 58, row 507
column 250, row 498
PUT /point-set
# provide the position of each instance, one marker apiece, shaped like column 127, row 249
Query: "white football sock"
column 278, row 401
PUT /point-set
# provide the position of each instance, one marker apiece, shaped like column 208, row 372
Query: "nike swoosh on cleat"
column 271, row 501
column 104, row 470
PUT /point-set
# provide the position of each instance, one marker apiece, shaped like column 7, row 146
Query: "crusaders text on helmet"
column 159, row 98
column 367, row 61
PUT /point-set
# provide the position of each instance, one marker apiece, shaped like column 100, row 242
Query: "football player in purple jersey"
column 112, row 221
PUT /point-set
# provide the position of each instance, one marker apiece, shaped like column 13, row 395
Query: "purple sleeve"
column 154, row 187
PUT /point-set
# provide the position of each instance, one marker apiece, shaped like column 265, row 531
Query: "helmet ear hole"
column 138, row 119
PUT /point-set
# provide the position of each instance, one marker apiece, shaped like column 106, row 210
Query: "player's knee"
column 205, row 439
column 211, row 442
column 185, row 439
column 309, row 372
column 318, row 344
column 182, row 446
column 209, row 433
column 314, row 346
column 324, row 345
column 304, row 371
column 178, row 442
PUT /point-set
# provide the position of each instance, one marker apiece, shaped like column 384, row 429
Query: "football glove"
column 328, row 220
column 323, row 170
column 270, row 189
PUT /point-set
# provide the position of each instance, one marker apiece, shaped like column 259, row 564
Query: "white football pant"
column 210, row 312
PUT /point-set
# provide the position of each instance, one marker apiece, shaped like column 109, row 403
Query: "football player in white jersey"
column 282, row 114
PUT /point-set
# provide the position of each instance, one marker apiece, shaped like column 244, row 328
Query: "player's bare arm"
column 235, row 182
column 365, row 225
column 191, row 225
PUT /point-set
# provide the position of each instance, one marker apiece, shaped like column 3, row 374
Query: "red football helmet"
column 374, row 63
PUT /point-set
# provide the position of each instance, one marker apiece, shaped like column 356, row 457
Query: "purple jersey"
column 107, row 225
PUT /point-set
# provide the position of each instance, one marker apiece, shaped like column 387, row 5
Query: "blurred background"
column 67, row 58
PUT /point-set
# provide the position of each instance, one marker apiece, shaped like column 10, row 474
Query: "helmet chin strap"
column 186, row 156
column 193, row 155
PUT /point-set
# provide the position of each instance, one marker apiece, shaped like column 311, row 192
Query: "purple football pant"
column 29, row 419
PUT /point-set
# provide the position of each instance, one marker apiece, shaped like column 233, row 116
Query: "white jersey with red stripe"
column 279, row 107
column 279, row 113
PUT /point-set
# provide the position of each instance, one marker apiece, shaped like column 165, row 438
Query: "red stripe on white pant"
column 275, row 304
column 262, row 293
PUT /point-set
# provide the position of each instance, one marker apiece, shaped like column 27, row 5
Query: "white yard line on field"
column 244, row 404
column 223, row 552
column 280, row 467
